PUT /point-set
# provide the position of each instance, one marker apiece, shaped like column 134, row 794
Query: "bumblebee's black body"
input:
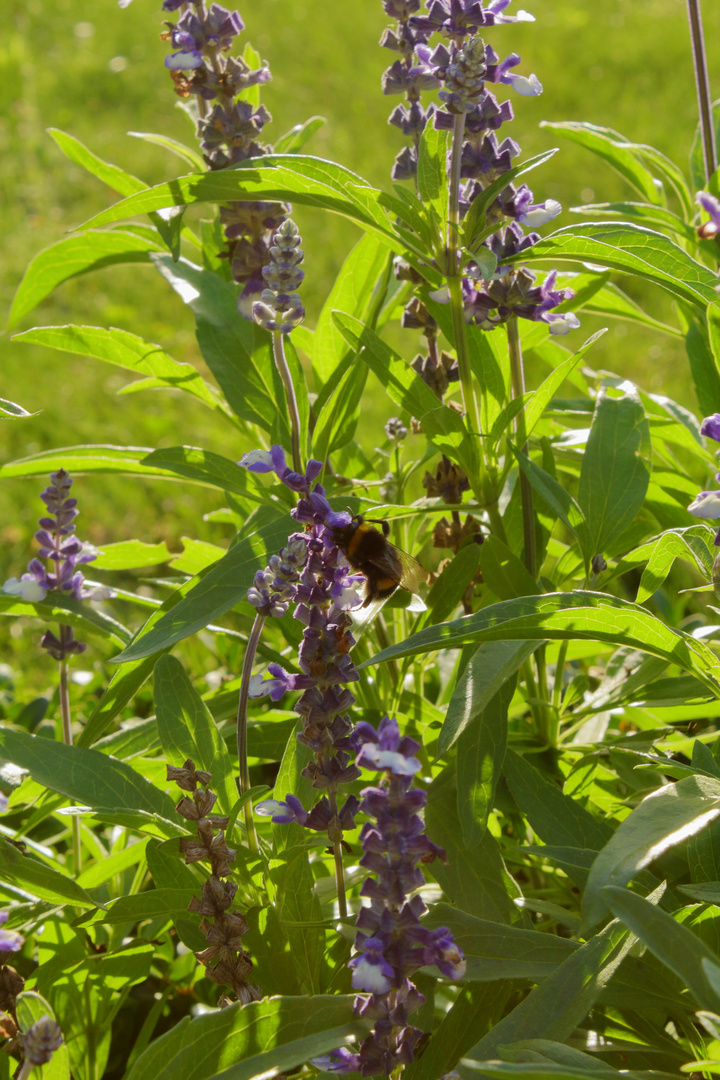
column 382, row 564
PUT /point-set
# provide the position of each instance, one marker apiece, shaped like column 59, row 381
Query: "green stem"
column 339, row 865
column 242, row 729
column 702, row 85
column 526, row 498
column 65, row 637
column 454, row 280
column 558, row 681
column 293, row 412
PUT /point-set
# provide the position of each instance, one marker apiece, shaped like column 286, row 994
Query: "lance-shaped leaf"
column 674, row 944
column 663, row 819
column 221, row 588
column 79, row 254
column 560, row 616
column 261, row 1039
column 85, row 776
column 631, row 249
column 127, row 351
column 27, row 872
column 615, row 470
column 555, row 1008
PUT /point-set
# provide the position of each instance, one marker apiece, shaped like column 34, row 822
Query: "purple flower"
column 282, row 813
column 710, row 426
column 709, row 229
column 10, row 940
column 280, row 308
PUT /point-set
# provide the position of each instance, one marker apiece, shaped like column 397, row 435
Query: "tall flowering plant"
column 538, row 725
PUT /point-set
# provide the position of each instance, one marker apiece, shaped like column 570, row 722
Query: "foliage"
column 555, row 694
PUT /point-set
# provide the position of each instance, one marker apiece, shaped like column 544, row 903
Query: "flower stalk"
column 702, row 85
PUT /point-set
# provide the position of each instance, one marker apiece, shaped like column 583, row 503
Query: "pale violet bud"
column 706, row 505
column 540, row 214
column 371, row 756
column 559, row 325
column 26, row 587
column 525, row 85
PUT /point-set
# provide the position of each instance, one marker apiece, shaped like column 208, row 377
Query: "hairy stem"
column 284, row 370
column 702, row 85
column 65, row 637
column 242, row 732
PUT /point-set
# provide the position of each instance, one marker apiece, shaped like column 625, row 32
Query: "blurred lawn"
column 97, row 72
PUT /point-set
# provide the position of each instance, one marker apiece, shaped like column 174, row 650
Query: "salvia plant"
column 442, row 713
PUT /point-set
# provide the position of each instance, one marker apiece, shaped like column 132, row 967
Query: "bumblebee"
column 371, row 554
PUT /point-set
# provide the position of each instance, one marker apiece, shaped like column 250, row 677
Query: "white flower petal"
column 525, row 85
column 367, row 976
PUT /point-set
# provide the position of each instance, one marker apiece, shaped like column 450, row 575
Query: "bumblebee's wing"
column 413, row 573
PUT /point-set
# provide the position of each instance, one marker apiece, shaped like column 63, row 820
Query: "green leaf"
column 69, row 610
column 120, row 460
column 219, row 590
column 615, row 150
column 263, row 1038
column 503, row 572
column 481, row 753
column 702, row 355
column 10, row 410
column 187, row 730
column 132, row 555
column 475, row 1009
column 541, row 398
column 202, row 467
column 338, row 417
column 555, row 1008
column 112, row 175
column 663, row 819
column 492, row 665
column 448, row 589
column 631, row 249
column 669, row 547
column 246, row 375
column 86, row 776
column 352, row 292
column 555, row 817
column 559, row 616
column 478, row 882
column 615, row 470
column 27, row 872
column 75, row 255
column 558, row 499
column 294, row 139
column 185, row 153
column 657, row 217
column 166, row 904
column 127, row 351
column 297, row 904
column 496, row 952
column 402, row 384
column 673, row 944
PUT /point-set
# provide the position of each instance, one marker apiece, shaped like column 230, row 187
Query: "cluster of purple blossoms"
column 706, row 504
column 229, row 130
column 322, row 590
column 391, row 941
column 65, row 553
column 461, row 68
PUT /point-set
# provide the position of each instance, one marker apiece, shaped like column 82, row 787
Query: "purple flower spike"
column 391, row 941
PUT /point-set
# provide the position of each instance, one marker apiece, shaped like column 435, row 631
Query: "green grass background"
column 97, row 72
